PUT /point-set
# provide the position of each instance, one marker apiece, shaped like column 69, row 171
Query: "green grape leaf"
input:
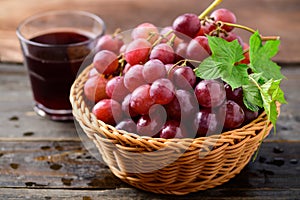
column 260, row 57
column 251, row 96
column 271, row 93
column 224, row 63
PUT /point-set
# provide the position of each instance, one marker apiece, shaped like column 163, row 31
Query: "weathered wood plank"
column 270, row 17
column 129, row 194
column 68, row 165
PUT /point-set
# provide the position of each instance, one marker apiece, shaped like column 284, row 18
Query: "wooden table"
column 42, row 159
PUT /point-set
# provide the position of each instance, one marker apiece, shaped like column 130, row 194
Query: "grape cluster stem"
column 209, row 9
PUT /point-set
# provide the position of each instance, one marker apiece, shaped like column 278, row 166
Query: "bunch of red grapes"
column 149, row 87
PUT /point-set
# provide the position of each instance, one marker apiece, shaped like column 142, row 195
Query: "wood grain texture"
column 271, row 17
column 67, row 169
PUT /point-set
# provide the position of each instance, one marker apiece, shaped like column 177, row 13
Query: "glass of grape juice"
column 54, row 45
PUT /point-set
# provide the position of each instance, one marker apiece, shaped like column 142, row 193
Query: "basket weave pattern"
column 169, row 166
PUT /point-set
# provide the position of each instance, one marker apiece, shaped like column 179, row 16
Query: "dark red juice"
column 53, row 69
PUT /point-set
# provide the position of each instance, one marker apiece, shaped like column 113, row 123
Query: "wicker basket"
column 169, row 166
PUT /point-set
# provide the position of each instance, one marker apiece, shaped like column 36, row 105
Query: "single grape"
column 151, row 124
column 115, row 88
column 184, row 78
column 126, row 68
column 234, row 116
column 106, row 62
column 232, row 36
column 198, row 48
column 137, row 51
column 249, row 114
column 224, row 15
column 206, row 123
column 173, row 129
column 123, row 48
column 146, row 31
column 206, row 29
column 127, row 110
column 183, row 105
column 203, row 41
column 187, row 24
column 94, row 88
column 180, row 51
column 134, row 77
column 170, row 68
column 153, row 70
column 210, row 93
column 162, row 91
column 141, row 100
column 163, row 52
column 108, row 110
column 127, row 125
column 246, row 60
column 93, row 72
column 110, row 42
column 235, row 95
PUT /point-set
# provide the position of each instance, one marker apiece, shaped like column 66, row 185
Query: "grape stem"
column 263, row 38
column 214, row 4
column 162, row 37
column 171, row 41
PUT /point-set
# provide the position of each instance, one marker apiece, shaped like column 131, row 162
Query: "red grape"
column 127, row 110
column 249, row 114
column 163, row 52
column 184, row 78
column 172, row 129
column 137, row 51
column 141, row 100
column 108, row 110
column 187, row 24
column 134, row 77
column 234, row 95
column 150, row 125
column 246, row 60
column 162, row 91
column 94, row 88
column 206, row 123
column 106, row 62
column 115, row 88
column 210, row 93
column 170, row 68
column 232, row 36
column 153, row 70
column 234, row 116
column 93, row 72
column 180, row 51
column 146, row 31
column 224, row 15
column 127, row 125
column 198, row 48
column 183, row 105
column 126, row 68
column 111, row 43
column 206, row 28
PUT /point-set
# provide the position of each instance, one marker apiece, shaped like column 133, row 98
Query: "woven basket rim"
column 93, row 122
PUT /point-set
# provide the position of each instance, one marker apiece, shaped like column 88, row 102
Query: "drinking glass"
column 54, row 45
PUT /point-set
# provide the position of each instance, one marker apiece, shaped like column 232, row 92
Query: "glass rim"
column 36, row 16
